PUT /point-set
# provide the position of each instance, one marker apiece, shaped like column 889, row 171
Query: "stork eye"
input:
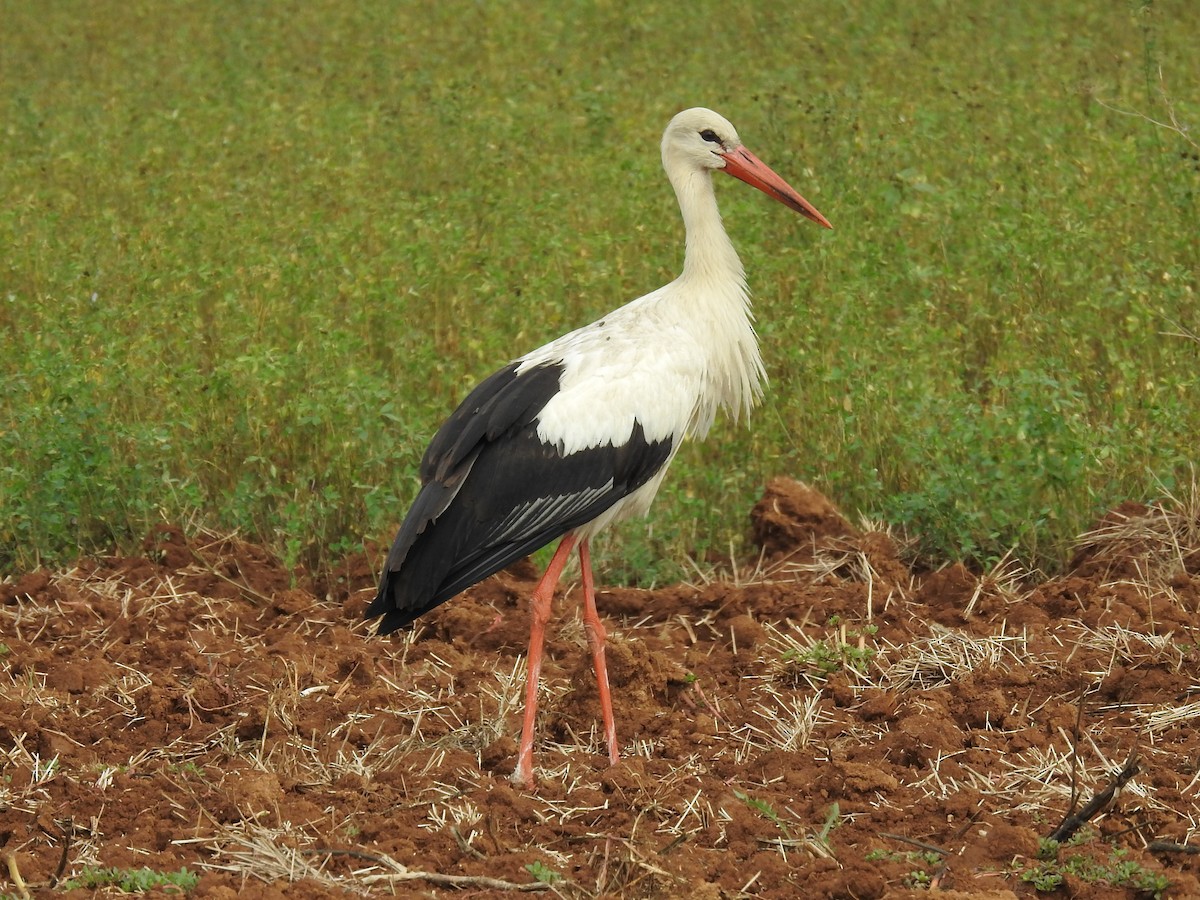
column 709, row 135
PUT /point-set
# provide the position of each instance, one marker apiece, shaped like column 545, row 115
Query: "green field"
column 254, row 253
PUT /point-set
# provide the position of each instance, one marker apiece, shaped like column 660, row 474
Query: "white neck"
column 710, row 255
column 713, row 288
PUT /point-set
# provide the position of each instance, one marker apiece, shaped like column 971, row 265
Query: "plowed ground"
column 824, row 722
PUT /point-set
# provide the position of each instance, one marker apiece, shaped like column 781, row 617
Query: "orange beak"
column 745, row 166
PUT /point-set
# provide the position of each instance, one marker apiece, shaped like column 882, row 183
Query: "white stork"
column 578, row 434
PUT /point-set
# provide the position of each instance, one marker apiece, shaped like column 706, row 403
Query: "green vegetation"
column 833, row 819
column 926, row 861
column 764, row 809
column 1114, row 870
column 133, row 881
column 815, row 662
column 543, row 873
column 819, row 844
column 254, row 255
column 187, row 769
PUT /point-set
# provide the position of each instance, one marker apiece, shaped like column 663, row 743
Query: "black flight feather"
column 493, row 491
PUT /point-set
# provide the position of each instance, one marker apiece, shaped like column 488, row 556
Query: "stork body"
column 579, row 433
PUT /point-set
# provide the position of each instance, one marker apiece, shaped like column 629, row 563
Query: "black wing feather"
column 499, row 402
column 493, row 492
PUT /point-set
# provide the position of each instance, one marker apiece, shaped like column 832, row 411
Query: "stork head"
column 699, row 139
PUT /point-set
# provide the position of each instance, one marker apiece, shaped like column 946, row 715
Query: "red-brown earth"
column 826, row 722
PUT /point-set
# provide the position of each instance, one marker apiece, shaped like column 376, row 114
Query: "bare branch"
column 1173, row 123
column 1098, row 803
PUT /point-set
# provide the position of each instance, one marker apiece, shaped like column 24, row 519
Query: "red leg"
column 540, row 602
column 596, row 636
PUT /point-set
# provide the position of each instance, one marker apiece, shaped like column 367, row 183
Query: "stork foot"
column 523, row 777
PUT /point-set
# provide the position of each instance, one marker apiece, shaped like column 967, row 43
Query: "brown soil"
column 830, row 724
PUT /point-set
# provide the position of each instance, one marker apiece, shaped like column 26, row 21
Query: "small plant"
column 925, row 863
column 542, row 872
column 1048, row 849
column 765, row 810
column 1044, row 878
column 846, row 649
column 1116, row 871
column 918, row 878
column 818, row 844
column 880, row 854
column 132, row 881
column 832, row 820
